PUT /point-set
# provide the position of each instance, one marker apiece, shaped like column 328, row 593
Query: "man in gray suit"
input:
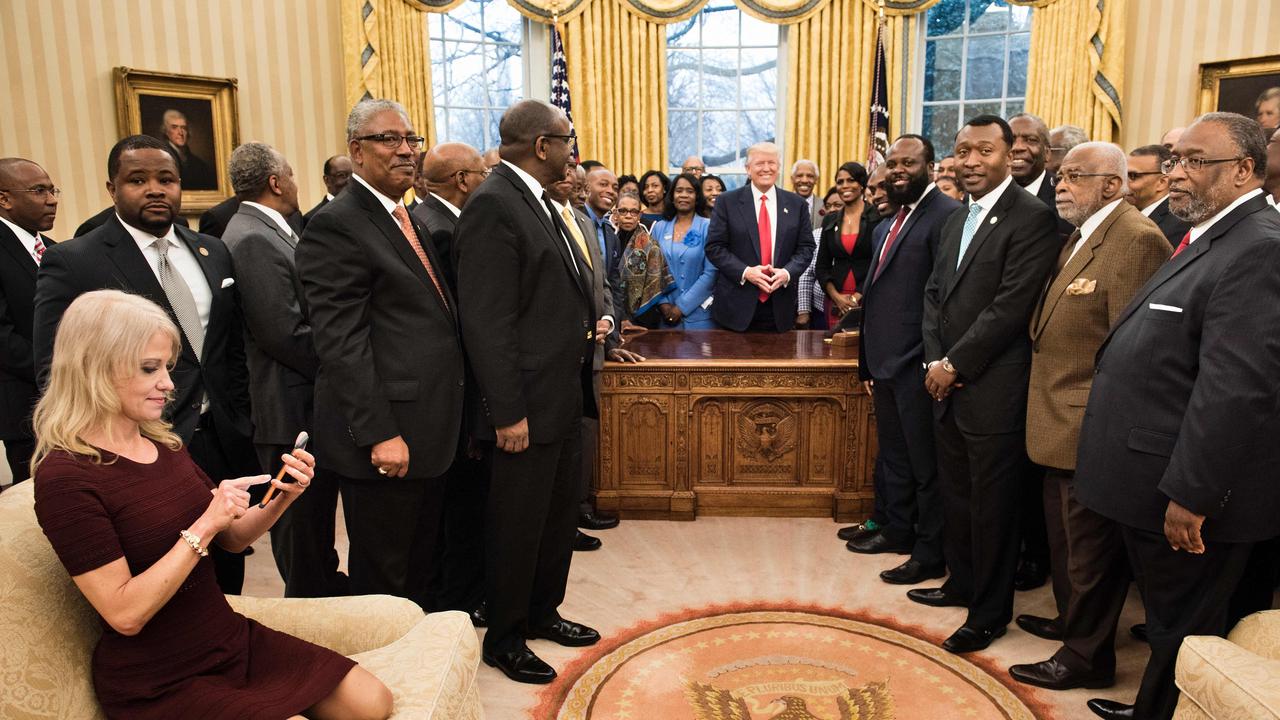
column 282, row 361
column 804, row 182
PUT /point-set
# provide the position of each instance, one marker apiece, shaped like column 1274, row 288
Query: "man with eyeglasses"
column 1104, row 262
column 28, row 208
column 1149, row 190
column 389, row 393
column 1061, row 140
column 447, row 174
column 1178, row 443
column 694, row 166
column 337, row 173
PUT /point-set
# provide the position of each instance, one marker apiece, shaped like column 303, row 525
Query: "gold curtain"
column 617, row 73
column 830, row 61
column 1075, row 69
column 384, row 50
column 662, row 12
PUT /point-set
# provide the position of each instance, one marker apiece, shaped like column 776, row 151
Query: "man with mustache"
column 140, row 249
column 1178, row 444
column 28, row 208
column 1149, row 191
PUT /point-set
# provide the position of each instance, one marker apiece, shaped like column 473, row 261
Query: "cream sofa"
column 1237, row 678
column 48, row 632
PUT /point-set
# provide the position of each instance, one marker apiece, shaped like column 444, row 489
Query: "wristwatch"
column 946, row 365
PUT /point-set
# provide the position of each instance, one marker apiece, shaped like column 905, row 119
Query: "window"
column 975, row 62
column 722, row 82
column 476, row 69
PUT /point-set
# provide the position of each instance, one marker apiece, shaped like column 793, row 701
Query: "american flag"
column 560, row 82
column 879, row 144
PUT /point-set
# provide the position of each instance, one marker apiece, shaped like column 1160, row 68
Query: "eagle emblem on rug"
column 869, row 702
column 766, row 431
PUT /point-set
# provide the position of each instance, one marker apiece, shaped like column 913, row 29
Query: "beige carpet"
column 649, row 569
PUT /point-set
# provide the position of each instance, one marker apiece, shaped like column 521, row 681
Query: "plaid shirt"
column 809, row 296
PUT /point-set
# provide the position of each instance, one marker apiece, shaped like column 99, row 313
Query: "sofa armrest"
column 346, row 625
column 1227, row 681
column 1259, row 633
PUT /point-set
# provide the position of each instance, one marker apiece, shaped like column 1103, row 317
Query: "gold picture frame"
column 197, row 115
column 1235, row 85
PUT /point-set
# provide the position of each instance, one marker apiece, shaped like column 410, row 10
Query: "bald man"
column 1171, row 138
column 28, row 207
column 447, row 175
column 693, row 165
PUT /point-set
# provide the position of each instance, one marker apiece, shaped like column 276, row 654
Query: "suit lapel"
column 289, row 242
column 994, row 219
column 1078, row 262
column 746, row 207
column 552, row 224
column 390, row 230
column 903, row 232
column 15, row 248
column 135, row 273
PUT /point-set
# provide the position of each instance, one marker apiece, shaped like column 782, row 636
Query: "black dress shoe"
column 1053, row 675
column 912, row 573
column 935, row 597
column 968, row 639
column 1139, row 632
column 479, row 616
column 878, row 543
column 1110, row 709
column 1049, row 629
column 598, row 520
column 583, row 542
column 522, row 666
column 1030, row 575
column 567, row 633
column 857, row 532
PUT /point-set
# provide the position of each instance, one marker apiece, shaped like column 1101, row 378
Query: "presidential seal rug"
column 761, row 663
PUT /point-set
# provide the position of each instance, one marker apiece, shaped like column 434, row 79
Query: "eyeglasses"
column 693, row 169
column 1056, row 149
column 1192, row 164
column 482, row 173
column 39, row 191
column 568, row 139
column 620, row 211
column 391, row 141
column 1133, row 175
column 1074, row 177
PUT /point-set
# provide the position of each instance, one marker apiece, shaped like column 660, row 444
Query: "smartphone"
column 299, row 444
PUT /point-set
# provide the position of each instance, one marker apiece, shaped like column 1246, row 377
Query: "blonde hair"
column 100, row 339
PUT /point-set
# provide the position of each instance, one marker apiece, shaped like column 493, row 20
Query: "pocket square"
column 228, row 282
column 1081, row 286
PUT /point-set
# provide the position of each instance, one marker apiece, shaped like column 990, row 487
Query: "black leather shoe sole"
column 1110, row 709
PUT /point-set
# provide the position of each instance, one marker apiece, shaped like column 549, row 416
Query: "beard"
column 1193, row 209
column 911, row 193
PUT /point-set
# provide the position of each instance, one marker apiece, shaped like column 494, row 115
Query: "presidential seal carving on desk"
column 766, row 431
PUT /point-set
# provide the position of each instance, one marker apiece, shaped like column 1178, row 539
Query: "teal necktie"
column 970, row 229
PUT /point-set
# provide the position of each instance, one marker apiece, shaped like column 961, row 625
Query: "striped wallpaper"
column 56, row 58
column 1165, row 42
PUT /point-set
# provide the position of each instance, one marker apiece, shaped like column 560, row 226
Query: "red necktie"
column 406, row 227
column 39, row 250
column 766, row 242
column 888, row 242
column 1186, row 240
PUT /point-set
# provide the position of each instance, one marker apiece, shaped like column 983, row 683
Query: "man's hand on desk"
column 620, row 355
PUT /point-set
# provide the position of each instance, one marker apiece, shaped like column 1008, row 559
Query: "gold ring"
column 382, row 471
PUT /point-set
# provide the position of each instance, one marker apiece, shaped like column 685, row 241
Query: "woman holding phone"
column 131, row 517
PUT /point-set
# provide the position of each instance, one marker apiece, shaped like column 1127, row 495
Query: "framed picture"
column 196, row 116
column 1249, row 86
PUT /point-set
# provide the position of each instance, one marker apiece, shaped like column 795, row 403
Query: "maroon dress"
column 196, row 658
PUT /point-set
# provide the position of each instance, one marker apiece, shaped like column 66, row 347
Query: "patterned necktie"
column 180, row 298
column 766, row 239
column 1186, row 240
column 888, row 242
column 572, row 223
column 39, row 249
column 402, row 217
column 970, row 229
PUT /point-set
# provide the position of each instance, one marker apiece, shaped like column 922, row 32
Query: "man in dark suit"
column 98, row 220
column 602, row 193
column 389, row 393
column 142, row 251
column 28, row 208
column 1178, row 444
column 337, row 173
column 994, row 259
column 529, row 324
column 1104, row 263
column 1149, row 191
column 891, row 358
column 448, row 174
column 760, row 239
column 282, row 362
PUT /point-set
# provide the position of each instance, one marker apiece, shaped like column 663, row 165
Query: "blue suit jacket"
column 733, row 245
column 694, row 274
column 893, row 302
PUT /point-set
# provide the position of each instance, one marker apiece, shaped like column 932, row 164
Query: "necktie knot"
column 1186, row 240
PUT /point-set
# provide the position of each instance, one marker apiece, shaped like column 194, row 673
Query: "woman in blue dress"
column 682, row 235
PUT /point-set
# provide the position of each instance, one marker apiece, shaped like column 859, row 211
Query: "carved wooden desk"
column 725, row 423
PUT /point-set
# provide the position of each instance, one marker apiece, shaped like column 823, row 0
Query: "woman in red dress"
column 131, row 517
column 844, row 247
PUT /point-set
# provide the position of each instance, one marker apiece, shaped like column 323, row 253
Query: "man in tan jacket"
column 1112, row 252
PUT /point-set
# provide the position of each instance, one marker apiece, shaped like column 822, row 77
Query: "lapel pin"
column 204, row 252
column 786, row 210
column 993, row 220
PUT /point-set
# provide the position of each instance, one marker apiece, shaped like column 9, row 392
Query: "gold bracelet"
column 194, row 541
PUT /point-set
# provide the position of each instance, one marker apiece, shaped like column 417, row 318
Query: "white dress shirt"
column 456, row 212
column 1271, row 199
column 182, row 260
column 1034, row 186
column 274, row 214
column 1090, row 225
column 390, row 204
column 1202, row 228
column 28, row 240
column 329, row 196
column 1152, row 207
column 988, row 201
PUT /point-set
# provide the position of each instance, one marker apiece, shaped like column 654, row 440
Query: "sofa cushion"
column 1226, row 681
column 432, row 669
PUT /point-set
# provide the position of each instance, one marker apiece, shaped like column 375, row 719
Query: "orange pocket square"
column 1081, row 286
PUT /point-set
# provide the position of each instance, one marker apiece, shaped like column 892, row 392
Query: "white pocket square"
column 1165, row 308
column 228, row 282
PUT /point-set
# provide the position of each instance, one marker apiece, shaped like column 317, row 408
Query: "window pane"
column 942, row 70
column 986, row 16
column 757, row 126
column 758, row 32
column 682, row 129
column 1013, row 107
column 940, row 125
column 438, row 72
column 682, row 78
column 946, row 18
column 760, row 78
column 1018, row 50
column 984, row 67
column 719, row 137
column 972, row 110
column 1019, row 18
column 476, row 69
column 505, row 74
column 467, row 126
column 719, row 78
column 733, row 181
column 720, row 24
column 501, row 21
column 685, row 32
column 464, row 23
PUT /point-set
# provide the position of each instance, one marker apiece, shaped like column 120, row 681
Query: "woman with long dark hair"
column 844, row 247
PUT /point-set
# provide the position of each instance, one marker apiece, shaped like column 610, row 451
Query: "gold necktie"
column 572, row 223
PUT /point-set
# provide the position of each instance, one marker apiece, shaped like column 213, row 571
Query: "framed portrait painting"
column 1249, row 86
column 196, row 116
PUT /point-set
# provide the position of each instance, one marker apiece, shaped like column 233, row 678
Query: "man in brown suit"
column 1112, row 252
